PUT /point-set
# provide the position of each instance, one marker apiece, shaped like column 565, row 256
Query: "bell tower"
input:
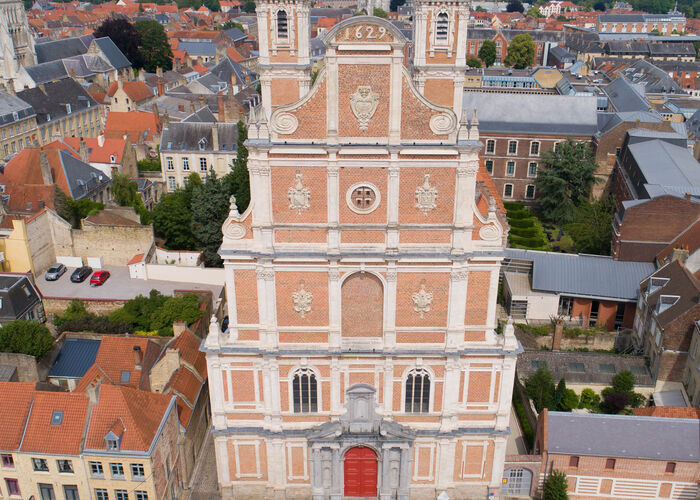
column 439, row 50
column 285, row 59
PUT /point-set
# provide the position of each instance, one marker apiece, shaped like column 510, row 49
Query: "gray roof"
column 608, row 121
column 17, row 296
column 187, row 136
column 561, row 54
column 667, row 165
column 537, row 35
column 115, row 56
column 625, row 96
column 582, row 275
column 83, row 179
column 75, row 358
column 220, row 75
column 672, row 49
column 583, row 367
column 630, row 436
column 8, row 373
column 236, row 34
column 638, row 18
column 52, row 100
column 10, row 104
column 48, row 71
column 60, row 49
column 652, row 79
column 693, row 124
column 203, row 115
column 534, row 113
column 198, row 48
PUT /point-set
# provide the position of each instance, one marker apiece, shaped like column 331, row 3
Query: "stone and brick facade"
column 361, row 357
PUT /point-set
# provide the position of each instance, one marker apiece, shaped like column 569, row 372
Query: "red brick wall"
column 477, row 297
column 362, row 297
column 289, row 282
column 246, row 284
column 350, row 77
column 408, row 284
column 312, row 178
column 443, row 180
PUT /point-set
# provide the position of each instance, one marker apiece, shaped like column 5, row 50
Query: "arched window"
column 441, row 27
column 417, row 399
column 282, row 28
column 304, row 392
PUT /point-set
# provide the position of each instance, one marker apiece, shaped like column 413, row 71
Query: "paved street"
column 118, row 286
column 204, row 482
column 516, row 442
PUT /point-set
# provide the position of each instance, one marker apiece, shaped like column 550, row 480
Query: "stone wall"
column 24, row 363
column 58, row 305
column 115, row 245
column 599, row 341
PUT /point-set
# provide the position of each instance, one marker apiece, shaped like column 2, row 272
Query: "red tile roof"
column 41, row 436
column 132, row 414
column 668, row 412
column 17, row 400
column 137, row 90
column 23, row 194
column 188, row 345
column 134, row 124
column 96, row 153
column 136, row 259
column 25, row 168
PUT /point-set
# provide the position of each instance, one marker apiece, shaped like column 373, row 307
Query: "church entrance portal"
column 361, row 472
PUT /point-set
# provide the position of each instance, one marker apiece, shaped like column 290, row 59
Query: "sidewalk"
column 205, row 484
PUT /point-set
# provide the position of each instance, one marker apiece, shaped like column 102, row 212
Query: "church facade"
column 361, row 357
column 16, row 42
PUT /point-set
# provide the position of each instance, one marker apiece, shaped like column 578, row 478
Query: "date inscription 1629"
column 365, row 32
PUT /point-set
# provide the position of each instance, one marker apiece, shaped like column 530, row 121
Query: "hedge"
column 529, row 222
column 525, row 232
column 524, row 422
column 512, row 205
column 528, row 242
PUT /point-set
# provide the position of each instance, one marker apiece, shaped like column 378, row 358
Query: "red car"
column 99, row 278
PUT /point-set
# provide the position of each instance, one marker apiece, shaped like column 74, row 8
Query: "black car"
column 81, row 274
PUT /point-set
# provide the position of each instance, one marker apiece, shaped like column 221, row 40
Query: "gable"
column 364, row 94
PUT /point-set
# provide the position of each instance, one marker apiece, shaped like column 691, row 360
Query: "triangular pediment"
column 364, row 94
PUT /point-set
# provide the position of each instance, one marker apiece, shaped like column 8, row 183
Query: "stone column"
column 334, row 308
column 390, row 316
column 405, row 474
column 456, row 308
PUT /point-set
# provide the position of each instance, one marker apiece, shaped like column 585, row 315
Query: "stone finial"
column 463, row 134
column 233, row 208
column 212, row 341
column 510, row 342
column 474, row 127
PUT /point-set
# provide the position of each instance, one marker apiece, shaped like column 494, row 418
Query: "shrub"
column 589, row 399
column 623, row 382
column 540, row 388
column 25, row 337
column 521, row 223
column 524, row 232
column 76, row 318
column 524, row 422
column 615, row 402
column 555, row 486
column 536, row 330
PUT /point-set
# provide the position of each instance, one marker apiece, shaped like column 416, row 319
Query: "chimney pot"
column 137, row 357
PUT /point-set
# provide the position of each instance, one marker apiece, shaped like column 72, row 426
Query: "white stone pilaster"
column 216, row 391
column 332, row 93
column 334, row 307
column 465, row 190
column 493, row 298
column 276, row 463
column 336, row 408
column 505, row 393
column 390, row 313
column 223, row 471
column 445, row 463
column 456, row 307
column 499, row 460
column 388, row 402
column 396, row 76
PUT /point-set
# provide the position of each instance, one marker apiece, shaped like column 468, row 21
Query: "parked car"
column 54, row 272
column 81, row 274
column 99, row 278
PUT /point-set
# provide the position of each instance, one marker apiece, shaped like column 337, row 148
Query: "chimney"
column 247, row 80
column 222, row 108
column 155, row 110
column 214, row 137
column 82, row 149
column 181, row 107
column 161, row 86
column 101, row 139
column 201, row 101
column 93, row 393
column 137, row 357
column 46, row 175
column 687, row 196
column 192, row 107
column 558, row 334
column 142, row 75
column 233, row 78
column 178, row 328
column 166, row 119
column 159, row 72
column 120, row 83
column 220, row 53
column 680, row 255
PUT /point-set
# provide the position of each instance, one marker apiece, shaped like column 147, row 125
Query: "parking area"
column 119, row 286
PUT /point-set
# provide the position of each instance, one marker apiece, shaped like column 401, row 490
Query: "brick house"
column 351, row 366
column 544, row 40
column 604, row 457
column 665, row 24
column 644, row 228
column 668, row 307
column 691, row 378
column 517, row 129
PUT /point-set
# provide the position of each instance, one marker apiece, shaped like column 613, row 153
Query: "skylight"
column 57, row 417
column 126, row 377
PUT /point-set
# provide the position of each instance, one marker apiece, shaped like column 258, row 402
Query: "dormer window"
column 441, row 28
column 666, row 301
column 112, row 159
column 655, row 284
column 202, row 144
column 282, row 26
column 112, row 444
column 68, row 108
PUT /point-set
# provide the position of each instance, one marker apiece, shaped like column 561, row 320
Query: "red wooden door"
column 360, row 472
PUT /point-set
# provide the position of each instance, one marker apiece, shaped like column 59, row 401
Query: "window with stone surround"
column 417, row 396
column 441, row 28
column 282, row 25
column 305, row 391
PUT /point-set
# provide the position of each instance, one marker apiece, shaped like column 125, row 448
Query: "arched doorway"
column 517, row 481
column 360, row 472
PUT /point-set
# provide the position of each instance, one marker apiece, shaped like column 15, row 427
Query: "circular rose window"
column 363, row 198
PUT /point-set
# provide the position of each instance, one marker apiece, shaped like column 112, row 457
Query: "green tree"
column 25, row 337
column 521, row 52
column 209, row 210
column 124, row 36
column 248, row 6
column 395, row 4
column 539, row 387
column 184, row 308
column 479, row 8
column 555, row 486
column 592, row 226
column 589, row 399
column 126, row 193
column 238, row 181
column 487, row 53
column 155, row 48
column 231, row 24
column 149, row 165
column 474, row 62
column 600, row 6
column 559, row 394
column 172, row 221
column 623, row 382
column 212, row 5
column 377, row 12
column 515, row 6
column 534, row 12
column 564, row 180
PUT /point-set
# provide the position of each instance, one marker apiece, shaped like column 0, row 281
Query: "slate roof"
column 48, row 71
column 236, row 34
column 584, row 367
column 50, row 102
column 619, row 436
column 187, row 136
column 583, row 275
column 222, row 73
column 672, row 49
column 17, row 296
column 60, row 49
column 625, row 96
column 203, row 115
column 198, row 48
column 559, row 53
column 115, row 56
column 666, row 165
column 509, row 34
column 10, row 104
column 534, row 113
column 681, row 284
column 608, row 121
column 652, row 79
column 75, row 358
column 693, row 124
